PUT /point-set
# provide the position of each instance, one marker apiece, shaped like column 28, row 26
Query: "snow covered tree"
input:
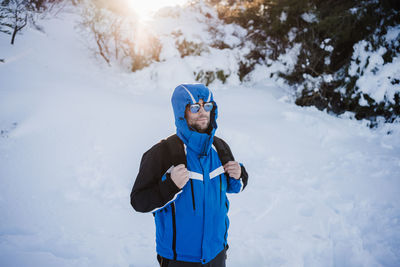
column 118, row 37
column 13, row 16
column 324, row 34
column 16, row 14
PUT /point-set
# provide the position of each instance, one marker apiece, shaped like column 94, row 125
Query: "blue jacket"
column 191, row 223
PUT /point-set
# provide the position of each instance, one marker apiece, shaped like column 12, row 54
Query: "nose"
column 202, row 110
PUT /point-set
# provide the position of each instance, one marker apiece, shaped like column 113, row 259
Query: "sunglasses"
column 194, row 108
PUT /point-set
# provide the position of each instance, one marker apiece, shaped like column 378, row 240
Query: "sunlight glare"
column 145, row 9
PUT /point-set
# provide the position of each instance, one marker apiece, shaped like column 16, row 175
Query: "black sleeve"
column 244, row 176
column 149, row 191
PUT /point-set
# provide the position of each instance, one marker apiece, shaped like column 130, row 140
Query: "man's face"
column 200, row 120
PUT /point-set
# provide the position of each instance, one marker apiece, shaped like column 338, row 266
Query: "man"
column 183, row 181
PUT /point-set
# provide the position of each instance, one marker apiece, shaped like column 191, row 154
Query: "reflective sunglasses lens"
column 194, row 108
column 208, row 106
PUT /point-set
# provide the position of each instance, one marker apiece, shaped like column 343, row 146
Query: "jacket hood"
column 183, row 95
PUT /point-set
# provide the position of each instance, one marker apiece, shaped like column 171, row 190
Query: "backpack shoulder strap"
column 178, row 156
column 223, row 150
column 176, row 150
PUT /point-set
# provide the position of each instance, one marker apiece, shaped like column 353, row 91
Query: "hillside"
column 323, row 190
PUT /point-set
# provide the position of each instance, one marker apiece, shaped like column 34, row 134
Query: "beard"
column 201, row 126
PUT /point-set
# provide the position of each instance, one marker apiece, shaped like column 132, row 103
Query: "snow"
column 324, row 45
column 375, row 75
column 266, row 75
column 327, row 61
column 292, row 34
column 362, row 101
column 283, row 16
column 353, row 10
column 323, row 191
column 309, row 17
column 393, row 34
column 188, row 24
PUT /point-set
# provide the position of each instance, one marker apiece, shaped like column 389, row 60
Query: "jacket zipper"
column 204, row 148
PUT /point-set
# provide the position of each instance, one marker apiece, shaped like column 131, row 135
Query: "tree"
column 118, row 37
column 325, row 32
column 14, row 17
column 16, row 14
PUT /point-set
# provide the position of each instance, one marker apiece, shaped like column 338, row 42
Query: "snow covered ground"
column 323, row 191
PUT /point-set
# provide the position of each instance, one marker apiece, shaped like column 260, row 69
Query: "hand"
column 180, row 175
column 233, row 169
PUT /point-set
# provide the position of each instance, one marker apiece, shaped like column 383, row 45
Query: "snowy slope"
column 323, row 191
